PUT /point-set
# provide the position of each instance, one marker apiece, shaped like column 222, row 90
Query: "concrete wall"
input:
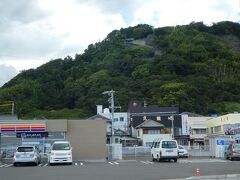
column 88, row 139
column 57, row 125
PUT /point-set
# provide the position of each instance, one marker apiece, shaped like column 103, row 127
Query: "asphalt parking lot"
column 126, row 169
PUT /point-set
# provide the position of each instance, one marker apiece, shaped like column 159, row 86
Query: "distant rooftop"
column 135, row 107
column 191, row 114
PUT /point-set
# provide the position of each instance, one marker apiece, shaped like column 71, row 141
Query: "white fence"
column 198, row 151
column 114, row 151
column 140, row 151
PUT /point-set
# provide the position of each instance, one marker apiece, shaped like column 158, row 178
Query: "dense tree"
column 195, row 67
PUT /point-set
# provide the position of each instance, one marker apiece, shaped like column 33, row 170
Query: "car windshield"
column 61, row 146
column 25, row 149
column 169, row 144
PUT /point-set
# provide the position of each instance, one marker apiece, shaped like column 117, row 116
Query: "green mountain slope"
column 195, row 67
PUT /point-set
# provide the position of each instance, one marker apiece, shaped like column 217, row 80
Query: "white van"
column 61, row 152
column 164, row 149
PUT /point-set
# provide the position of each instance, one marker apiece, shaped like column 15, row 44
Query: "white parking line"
column 76, row 164
column 116, row 163
column 111, row 163
column 2, row 165
column 8, row 165
column 40, row 165
column 202, row 161
column 45, row 165
column 146, row 162
column 81, row 164
column 149, row 162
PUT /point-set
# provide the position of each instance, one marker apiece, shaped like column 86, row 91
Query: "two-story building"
column 226, row 125
column 197, row 127
column 150, row 130
column 222, row 131
column 120, row 124
column 120, row 118
column 169, row 117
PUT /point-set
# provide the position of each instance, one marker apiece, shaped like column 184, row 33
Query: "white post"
column 172, row 119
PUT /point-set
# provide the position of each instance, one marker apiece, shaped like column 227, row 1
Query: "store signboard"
column 231, row 129
column 220, row 141
column 22, row 127
column 32, row 135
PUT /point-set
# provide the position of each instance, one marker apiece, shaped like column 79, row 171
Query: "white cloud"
column 174, row 12
column 6, row 73
column 34, row 32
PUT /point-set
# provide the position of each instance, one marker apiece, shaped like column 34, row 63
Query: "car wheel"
column 153, row 159
column 175, row 160
column 51, row 164
column 14, row 164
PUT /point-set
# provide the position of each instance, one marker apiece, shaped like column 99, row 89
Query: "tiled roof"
column 149, row 123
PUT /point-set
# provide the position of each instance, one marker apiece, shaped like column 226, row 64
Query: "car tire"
column 153, row 159
column 158, row 159
column 175, row 160
column 51, row 164
column 14, row 164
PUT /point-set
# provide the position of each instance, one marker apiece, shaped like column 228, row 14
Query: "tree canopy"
column 195, row 67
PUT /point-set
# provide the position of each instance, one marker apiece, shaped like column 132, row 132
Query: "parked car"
column 182, row 152
column 164, row 149
column 233, row 152
column 26, row 154
column 61, row 152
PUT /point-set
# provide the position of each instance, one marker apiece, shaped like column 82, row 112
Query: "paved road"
column 118, row 170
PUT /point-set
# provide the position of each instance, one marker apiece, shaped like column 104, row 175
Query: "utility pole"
column 112, row 107
column 172, row 119
column 12, row 107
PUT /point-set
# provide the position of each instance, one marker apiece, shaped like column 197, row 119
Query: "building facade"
column 197, row 129
column 226, row 125
column 222, row 131
column 120, row 118
column 150, row 130
column 169, row 117
column 87, row 137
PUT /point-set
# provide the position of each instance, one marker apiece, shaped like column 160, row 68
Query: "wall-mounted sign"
column 22, row 127
column 231, row 129
column 220, row 142
column 32, row 135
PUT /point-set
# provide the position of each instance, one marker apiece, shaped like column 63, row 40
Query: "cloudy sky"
column 32, row 32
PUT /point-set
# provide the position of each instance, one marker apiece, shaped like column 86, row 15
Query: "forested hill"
column 195, row 67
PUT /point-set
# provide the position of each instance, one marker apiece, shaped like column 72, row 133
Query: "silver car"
column 233, row 152
column 182, row 152
column 26, row 154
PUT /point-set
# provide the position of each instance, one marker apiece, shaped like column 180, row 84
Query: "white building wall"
column 120, row 118
column 196, row 124
column 149, row 138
